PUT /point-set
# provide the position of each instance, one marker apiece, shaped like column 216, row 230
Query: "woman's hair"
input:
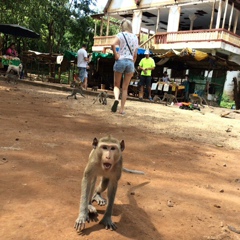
column 126, row 25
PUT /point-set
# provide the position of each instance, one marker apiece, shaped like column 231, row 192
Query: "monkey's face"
column 110, row 155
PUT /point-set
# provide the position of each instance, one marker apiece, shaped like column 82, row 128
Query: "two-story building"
column 210, row 26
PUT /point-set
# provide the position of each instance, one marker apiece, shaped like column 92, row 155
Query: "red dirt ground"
column 189, row 158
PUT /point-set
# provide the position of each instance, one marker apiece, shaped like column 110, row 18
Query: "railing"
column 103, row 40
column 197, row 36
column 107, row 41
column 148, row 44
column 177, row 37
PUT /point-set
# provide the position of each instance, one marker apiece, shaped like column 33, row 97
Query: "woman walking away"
column 124, row 62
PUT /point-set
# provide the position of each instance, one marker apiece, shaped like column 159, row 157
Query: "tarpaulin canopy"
column 97, row 55
column 19, row 31
column 70, row 55
column 192, row 58
column 197, row 55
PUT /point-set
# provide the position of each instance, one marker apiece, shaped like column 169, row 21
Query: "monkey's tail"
column 96, row 98
column 132, row 171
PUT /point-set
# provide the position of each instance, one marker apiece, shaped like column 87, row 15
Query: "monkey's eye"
column 113, row 148
column 104, row 147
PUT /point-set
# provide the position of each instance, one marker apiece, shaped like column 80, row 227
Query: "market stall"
column 18, row 31
column 8, row 60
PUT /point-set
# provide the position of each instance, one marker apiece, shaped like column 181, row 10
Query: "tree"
column 236, row 93
column 62, row 24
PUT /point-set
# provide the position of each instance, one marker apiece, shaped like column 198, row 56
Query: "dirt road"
column 191, row 160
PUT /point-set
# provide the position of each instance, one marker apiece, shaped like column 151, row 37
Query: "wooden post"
column 192, row 18
column 108, row 19
column 219, row 14
column 101, row 29
column 225, row 13
column 235, row 22
column 230, row 18
column 95, row 28
column 158, row 19
column 212, row 16
column 59, row 74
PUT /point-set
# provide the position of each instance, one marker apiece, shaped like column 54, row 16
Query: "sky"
column 101, row 4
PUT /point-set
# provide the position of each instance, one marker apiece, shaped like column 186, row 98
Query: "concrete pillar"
column 213, row 52
column 173, row 18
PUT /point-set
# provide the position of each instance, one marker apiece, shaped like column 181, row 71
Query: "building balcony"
column 219, row 40
column 205, row 40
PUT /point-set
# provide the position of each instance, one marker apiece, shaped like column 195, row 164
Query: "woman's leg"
column 116, row 90
column 117, row 83
column 126, row 81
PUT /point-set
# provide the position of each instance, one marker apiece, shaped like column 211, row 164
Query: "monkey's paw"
column 108, row 223
column 98, row 198
column 92, row 213
column 92, row 209
column 80, row 222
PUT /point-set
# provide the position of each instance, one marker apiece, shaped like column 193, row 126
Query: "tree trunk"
column 236, row 93
column 51, row 43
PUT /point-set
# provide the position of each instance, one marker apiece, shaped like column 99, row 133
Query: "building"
column 210, row 26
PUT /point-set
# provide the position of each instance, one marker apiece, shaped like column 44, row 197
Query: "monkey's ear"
column 122, row 145
column 95, row 143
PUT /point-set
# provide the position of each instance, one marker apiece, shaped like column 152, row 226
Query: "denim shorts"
column 124, row 66
column 82, row 73
column 145, row 80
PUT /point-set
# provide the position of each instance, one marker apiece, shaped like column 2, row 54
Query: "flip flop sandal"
column 114, row 106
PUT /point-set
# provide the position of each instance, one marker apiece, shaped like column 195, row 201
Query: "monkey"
column 156, row 99
column 196, row 99
column 76, row 81
column 169, row 98
column 77, row 89
column 95, row 88
column 73, row 84
column 11, row 77
column 102, row 97
column 233, row 229
column 106, row 161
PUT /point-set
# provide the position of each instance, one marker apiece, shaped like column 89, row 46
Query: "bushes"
column 226, row 102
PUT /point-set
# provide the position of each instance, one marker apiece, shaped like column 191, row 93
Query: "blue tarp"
column 140, row 50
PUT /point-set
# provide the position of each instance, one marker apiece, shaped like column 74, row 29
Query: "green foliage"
column 226, row 102
column 62, row 24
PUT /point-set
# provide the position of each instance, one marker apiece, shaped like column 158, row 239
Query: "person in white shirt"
column 82, row 61
column 165, row 77
column 124, row 62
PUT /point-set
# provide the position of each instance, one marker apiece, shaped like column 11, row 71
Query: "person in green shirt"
column 146, row 65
